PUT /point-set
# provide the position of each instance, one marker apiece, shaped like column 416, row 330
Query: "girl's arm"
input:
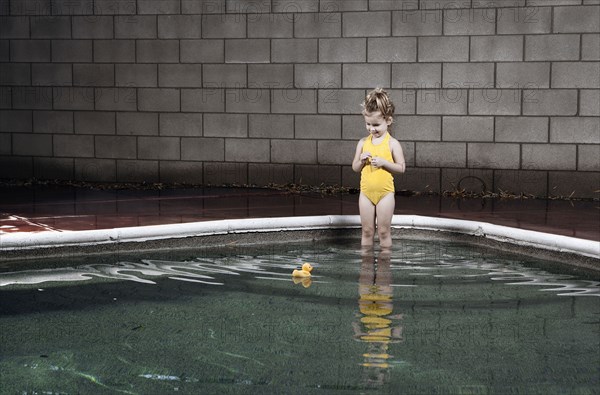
column 399, row 164
column 360, row 158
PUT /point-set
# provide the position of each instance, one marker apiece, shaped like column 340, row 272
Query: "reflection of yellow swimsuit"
column 376, row 183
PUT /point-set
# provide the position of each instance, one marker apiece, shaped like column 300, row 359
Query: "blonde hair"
column 378, row 100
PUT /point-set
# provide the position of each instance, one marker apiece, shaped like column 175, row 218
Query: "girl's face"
column 376, row 124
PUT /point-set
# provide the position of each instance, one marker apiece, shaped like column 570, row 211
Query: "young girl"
column 377, row 157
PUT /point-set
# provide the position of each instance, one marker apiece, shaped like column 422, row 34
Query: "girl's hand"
column 378, row 162
column 364, row 157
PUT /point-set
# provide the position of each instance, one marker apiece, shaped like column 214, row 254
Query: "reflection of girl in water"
column 375, row 326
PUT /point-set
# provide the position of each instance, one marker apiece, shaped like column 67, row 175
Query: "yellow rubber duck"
column 305, row 272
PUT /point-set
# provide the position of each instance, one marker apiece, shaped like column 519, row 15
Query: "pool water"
column 430, row 317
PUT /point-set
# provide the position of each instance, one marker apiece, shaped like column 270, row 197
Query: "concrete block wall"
column 494, row 95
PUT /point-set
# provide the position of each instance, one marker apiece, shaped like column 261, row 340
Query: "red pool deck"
column 56, row 209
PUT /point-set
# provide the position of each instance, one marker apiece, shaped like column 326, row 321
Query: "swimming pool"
column 432, row 316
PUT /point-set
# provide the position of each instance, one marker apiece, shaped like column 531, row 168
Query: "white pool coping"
column 506, row 234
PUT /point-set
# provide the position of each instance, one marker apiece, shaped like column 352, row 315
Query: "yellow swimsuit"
column 376, row 183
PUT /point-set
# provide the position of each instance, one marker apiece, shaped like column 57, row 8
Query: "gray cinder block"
column 116, row 99
column 417, row 128
column 94, row 122
column 247, row 51
column 32, row 97
column 317, row 127
column 73, row 98
column 293, row 151
column 30, row 50
column 417, row 23
column 225, row 173
column 157, row 51
column 203, row 100
column 468, row 75
column 366, row 75
column 51, row 27
column 393, row 4
column 247, row 100
column 524, row 20
column 158, row 6
column 521, row 129
column 73, row 146
column 87, row 74
column 313, row 25
column 571, row 183
column 589, row 102
column 575, row 130
column 442, row 101
column 444, row 49
column 181, row 124
column 428, row 154
column 163, row 148
column 116, row 147
column 14, row 27
column 202, row 149
column 273, row 75
column 588, row 157
column 32, row 144
column 72, row 51
column 474, row 21
column 112, row 51
column 53, row 168
column 521, row 75
column 271, row 126
column 53, row 122
column 294, row 101
column 552, row 47
column 181, row 172
column 335, row 152
column 576, row 75
column 590, row 46
column 495, row 101
column 581, row 19
column 340, row 101
column 367, row 24
column 271, row 26
column 179, row 26
column 137, row 123
column 15, row 74
column 99, row 170
column 224, row 26
column 496, row 48
column 417, row 75
column 294, row 50
column 224, row 76
column 247, row 150
column 550, row 102
column 269, row 174
column 549, row 156
column 158, row 99
column 226, row 125
column 136, row 75
column 16, row 121
column 202, row 51
column 392, row 49
column 517, row 181
column 180, row 75
column 493, row 155
column 468, row 129
column 137, row 171
column 295, row 6
column 342, row 50
column 92, row 27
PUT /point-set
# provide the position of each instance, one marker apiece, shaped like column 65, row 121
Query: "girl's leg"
column 367, row 220
column 384, row 212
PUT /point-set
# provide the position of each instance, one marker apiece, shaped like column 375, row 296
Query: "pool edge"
column 503, row 234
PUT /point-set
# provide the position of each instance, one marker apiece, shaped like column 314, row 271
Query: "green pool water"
column 430, row 317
